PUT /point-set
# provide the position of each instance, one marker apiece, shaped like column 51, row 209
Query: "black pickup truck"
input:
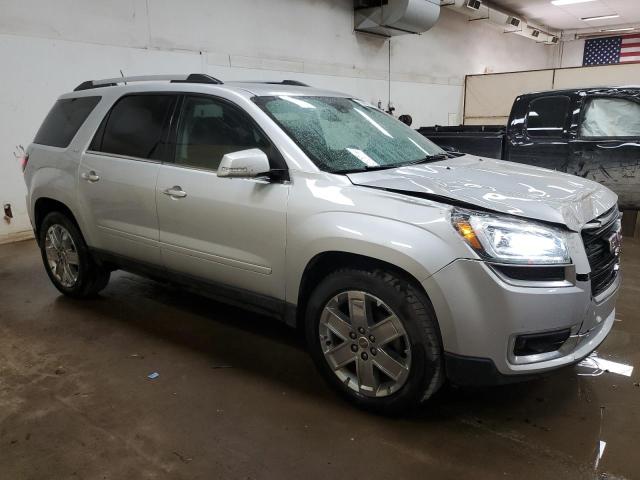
column 593, row 133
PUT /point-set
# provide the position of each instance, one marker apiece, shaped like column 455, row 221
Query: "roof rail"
column 294, row 83
column 185, row 78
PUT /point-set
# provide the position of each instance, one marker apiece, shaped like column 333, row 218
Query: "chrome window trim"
column 123, row 157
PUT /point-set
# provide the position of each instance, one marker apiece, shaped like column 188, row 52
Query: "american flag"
column 612, row 50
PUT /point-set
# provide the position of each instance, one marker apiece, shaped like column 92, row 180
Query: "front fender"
column 411, row 248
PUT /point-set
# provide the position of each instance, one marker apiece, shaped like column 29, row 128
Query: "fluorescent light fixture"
column 600, row 17
column 568, row 2
column 627, row 29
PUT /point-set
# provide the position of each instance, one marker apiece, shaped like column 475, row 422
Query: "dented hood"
column 500, row 186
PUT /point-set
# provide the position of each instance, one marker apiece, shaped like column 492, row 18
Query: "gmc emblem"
column 615, row 242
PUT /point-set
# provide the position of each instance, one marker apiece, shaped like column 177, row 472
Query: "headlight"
column 509, row 240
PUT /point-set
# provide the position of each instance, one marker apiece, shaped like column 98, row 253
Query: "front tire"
column 67, row 260
column 374, row 337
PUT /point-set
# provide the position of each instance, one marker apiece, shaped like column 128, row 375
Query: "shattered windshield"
column 342, row 135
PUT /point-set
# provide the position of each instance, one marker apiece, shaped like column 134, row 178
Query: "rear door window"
column 64, row 120
column 547, row 116
column 610, row 117
column 136, row 127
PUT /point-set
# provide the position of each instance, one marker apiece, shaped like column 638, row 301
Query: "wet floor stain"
column 236, row 396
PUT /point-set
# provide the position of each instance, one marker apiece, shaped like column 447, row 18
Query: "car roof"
column 200, row 84
column 612, row 90
column 264, row 89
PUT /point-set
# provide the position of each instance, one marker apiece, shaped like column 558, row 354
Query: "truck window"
column 547, row 116
column 610, row 117
column 64, row 120
column 135, row 126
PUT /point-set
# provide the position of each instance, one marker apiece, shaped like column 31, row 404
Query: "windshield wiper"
column 429, row 158
column 367, row 168
column 372, row 168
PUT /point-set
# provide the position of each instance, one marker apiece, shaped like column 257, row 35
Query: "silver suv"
column 404, row 264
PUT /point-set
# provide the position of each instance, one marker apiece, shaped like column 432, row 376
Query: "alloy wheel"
column 365, row 343
column 62, row 255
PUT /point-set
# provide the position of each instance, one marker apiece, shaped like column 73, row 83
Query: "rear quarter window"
column 64, row 120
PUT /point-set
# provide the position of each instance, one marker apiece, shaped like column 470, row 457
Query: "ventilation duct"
column 395, row 17
column 506, row 20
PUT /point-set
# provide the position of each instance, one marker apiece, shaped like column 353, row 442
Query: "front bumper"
column 480, row 315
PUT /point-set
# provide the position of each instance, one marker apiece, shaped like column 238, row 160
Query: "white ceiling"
column 568, row 17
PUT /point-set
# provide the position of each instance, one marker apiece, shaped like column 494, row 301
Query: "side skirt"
column 238, row 297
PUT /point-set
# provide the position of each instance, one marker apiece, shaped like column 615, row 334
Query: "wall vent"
column 513, row 21
column 474, row 4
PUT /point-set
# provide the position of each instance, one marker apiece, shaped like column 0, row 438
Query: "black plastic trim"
column 88, row 85
column 468, row 371
column 191, row 78
column 235, row 296
column 478, row 372
column 293, row 83
column 536, row 343
column 532, row 273
column 199, row 78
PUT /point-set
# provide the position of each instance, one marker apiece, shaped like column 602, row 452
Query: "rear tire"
column 67, row 259
column 391, row 361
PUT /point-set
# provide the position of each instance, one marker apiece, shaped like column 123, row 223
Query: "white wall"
column 572, row 54
column 48, row 47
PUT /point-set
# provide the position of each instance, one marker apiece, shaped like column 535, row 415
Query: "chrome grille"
column 601, row 238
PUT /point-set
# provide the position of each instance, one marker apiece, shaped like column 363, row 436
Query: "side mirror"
column 244, row 164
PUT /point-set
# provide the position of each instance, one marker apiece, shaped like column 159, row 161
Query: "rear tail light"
column 22, row 156
column 24, row 159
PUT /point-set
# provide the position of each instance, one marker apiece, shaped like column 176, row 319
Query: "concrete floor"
column 237, row 397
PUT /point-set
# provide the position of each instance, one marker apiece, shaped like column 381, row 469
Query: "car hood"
column 500, row 186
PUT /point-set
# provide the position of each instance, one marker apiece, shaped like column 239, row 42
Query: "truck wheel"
column 67, row 259
column 375, row 339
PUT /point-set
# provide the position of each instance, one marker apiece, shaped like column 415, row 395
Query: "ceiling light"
column 600, row 17
column 569, row 2
column 626, row 29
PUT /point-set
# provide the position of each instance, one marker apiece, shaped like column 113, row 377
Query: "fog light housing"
column 537, row 343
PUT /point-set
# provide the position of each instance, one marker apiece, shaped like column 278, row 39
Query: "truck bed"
column 482, row 140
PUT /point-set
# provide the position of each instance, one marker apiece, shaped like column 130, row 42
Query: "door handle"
column 175, row 192
column 91, row 176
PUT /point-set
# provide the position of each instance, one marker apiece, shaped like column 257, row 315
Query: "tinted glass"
column 341, row 134
column 64, row 120
column 611, row 117
column 547, row 116
column 209, row 129
column 135, row 126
